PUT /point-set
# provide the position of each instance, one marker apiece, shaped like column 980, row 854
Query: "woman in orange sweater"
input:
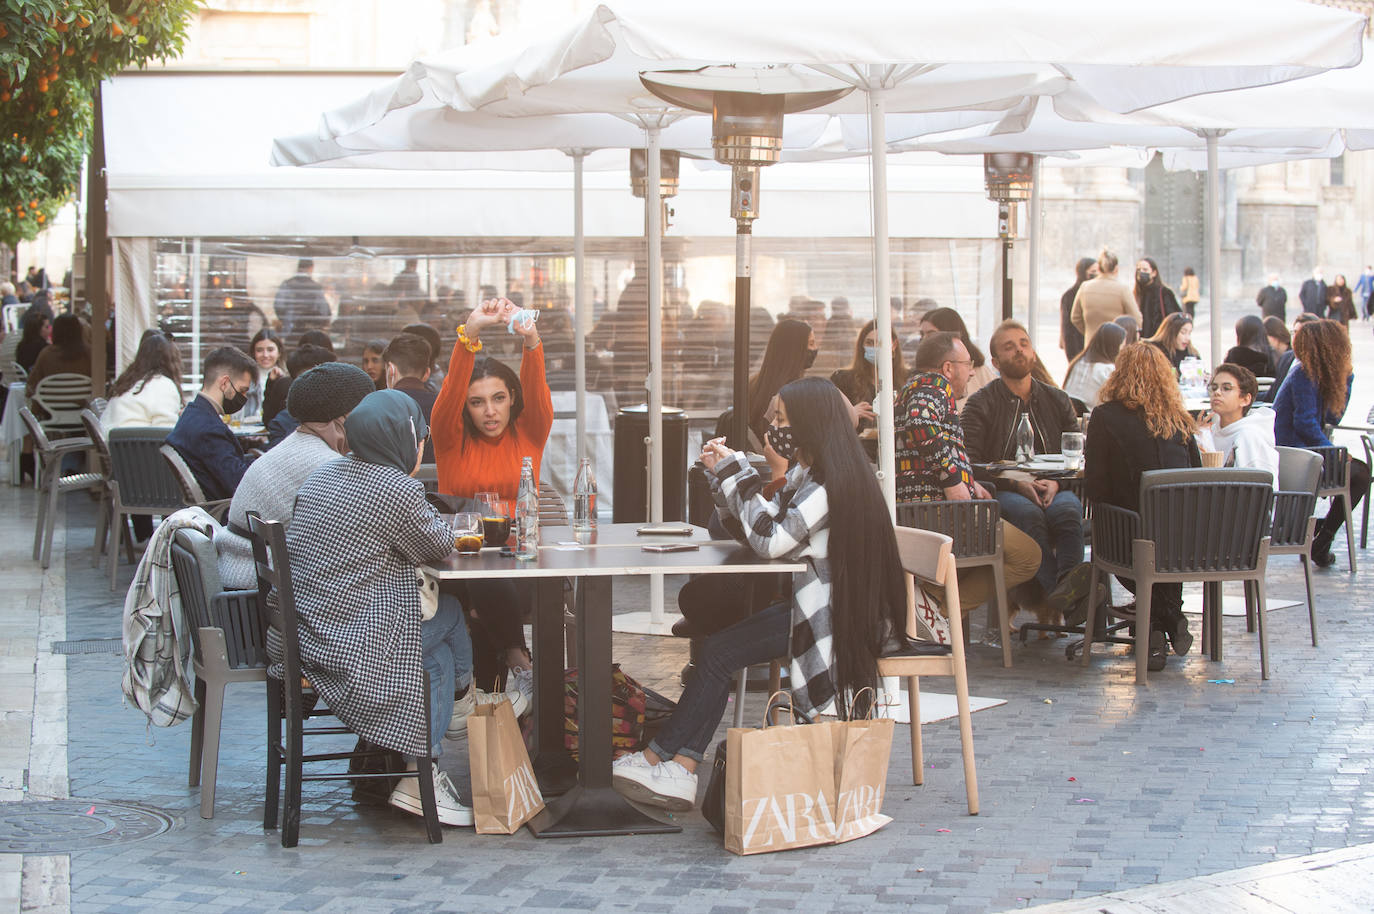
column 484, row 422
column 485, row 419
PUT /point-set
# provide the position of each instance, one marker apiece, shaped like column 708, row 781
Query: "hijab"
column 388, row 429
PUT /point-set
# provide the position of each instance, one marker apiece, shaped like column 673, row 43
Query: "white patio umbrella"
column 979, row 54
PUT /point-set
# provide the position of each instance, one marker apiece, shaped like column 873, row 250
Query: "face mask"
column 235, row 403
column 871, row 355
column 810, row 358
column 781, row 440
column 1143, row 278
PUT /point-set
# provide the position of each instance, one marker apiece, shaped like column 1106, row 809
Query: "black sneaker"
column 1159, row 652
column 1321, row 550
column 1180, row 637
column 1071, row 590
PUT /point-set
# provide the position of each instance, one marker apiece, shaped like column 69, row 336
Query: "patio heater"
column 1009, row 177
column 746, row 134
column 669, row 165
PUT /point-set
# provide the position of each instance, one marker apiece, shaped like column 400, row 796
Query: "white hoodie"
column 1247, row 442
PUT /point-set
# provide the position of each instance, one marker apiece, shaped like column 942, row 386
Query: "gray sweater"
column 268, row 487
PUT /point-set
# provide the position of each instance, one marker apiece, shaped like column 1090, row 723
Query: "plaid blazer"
column 794, row 525
column 357, row 535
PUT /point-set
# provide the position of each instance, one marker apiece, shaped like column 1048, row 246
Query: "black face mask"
column 1144, row 278
column 235, row 403
column 810, row 358
column 780, row 438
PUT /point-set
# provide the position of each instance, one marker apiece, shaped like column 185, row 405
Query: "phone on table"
column 664, row 530
column 670, row 547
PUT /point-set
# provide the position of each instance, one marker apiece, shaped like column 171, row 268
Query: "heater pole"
column 744, row 180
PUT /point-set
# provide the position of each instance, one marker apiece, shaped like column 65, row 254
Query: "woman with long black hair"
column 1155, row 300
column 1070, row 337
column 791, row 351
column 830, row 515
column 1252, row 350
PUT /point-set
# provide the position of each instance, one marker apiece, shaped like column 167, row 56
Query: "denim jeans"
column 763, row 636
column 1058, row 530
column 447, row 654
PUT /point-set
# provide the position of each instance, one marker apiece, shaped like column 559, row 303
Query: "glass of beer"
column 495, row 519
column 467, row 533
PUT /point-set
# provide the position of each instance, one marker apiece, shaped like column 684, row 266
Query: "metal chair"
column 286, row 708
column 51, row 484
column 141, row 483
column 928, row 557
column 1209, row 525
column 1367, row 440
column 1335, row 482
column 191, row 491
column 1295, row 522
column 13, row 314
column 94, row 431
column 227, row 632
column 976, row 529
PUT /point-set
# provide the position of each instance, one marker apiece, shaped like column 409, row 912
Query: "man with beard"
column 1051, row 516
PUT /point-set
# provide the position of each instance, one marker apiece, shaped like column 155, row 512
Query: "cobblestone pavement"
column 1089, row 784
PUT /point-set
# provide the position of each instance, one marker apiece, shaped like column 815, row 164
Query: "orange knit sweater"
column 471, row 464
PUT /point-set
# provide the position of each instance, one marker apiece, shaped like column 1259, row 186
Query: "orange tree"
column 53, row 54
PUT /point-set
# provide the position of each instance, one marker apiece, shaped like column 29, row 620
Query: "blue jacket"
column 1300, row 420
column 209, row 448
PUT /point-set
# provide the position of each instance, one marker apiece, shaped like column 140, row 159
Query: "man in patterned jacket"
column 932, row 464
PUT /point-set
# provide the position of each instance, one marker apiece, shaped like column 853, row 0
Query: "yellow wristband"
column 468, row 344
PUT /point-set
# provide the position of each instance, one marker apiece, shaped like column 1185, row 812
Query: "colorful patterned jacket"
column 930, row 441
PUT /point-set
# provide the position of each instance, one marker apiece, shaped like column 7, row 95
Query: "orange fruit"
column 115, row 29
column 42, row 218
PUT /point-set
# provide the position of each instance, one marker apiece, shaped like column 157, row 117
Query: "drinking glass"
column 496, row 521
column 467, row 533
column 1071, row 446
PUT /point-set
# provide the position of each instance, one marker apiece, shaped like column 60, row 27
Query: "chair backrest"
column 972, row 525
column 195, row 565
column 15, row 372
column 145, row 480
column 63, row 396
column 1204, row 520
column 35, row 430
column 181, row 471
column 1300, row 470
column 1335, row 468
column 96, row 432
column 552, row 510
column 13, row 315
column 923, row 553
column 278, row 602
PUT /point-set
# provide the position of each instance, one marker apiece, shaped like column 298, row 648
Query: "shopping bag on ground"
column 628, row 706
column 779, row 787
column 862, row 750
column 505, row 794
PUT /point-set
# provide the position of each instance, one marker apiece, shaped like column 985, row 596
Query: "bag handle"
column 872, row 703
column 792, row 711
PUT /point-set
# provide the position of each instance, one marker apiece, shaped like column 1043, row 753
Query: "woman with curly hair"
column 1174, row 338
column 1142, row 425
column 1313, row 396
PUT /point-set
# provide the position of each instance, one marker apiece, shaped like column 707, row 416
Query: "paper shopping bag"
column 505, row 794
column 862, row 750
column 779, row 788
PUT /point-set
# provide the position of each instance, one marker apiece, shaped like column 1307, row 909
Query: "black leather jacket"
column 990, row 416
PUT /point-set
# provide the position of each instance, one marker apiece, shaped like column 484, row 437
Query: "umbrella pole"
column 1033, row 250
column 581, row 314
column 195, row 307
column 882, row 278
column 1213, row 241
column 654, row 443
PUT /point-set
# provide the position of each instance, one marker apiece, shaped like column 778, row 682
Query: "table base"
column 590, row 812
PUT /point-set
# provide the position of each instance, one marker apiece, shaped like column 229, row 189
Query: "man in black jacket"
column 1051, row 516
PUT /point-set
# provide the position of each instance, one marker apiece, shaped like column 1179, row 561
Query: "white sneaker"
column 451, row 810
column 458, row 723
column 521, row 681
column 666, row 785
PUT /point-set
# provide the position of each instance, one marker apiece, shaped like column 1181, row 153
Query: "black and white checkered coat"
column 795, row 525
column 358, row 533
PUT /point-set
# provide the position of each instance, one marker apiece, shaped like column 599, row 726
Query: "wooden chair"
column 927, row 557
column 286, row 707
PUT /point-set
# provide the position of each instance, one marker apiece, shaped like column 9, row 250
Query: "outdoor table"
column 627, row 535
column 12, row 427
column 593, row 807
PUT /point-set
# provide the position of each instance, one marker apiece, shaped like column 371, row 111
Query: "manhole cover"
column 59, row 826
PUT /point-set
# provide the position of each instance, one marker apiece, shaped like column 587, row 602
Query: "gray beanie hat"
column 328, row 391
